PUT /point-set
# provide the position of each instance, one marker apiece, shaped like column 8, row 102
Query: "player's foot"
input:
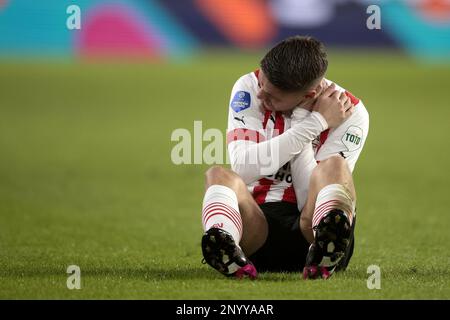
column 221, row 252
column 330, row 243
column 342, row 265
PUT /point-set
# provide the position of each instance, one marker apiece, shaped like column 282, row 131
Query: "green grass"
column 86, row 178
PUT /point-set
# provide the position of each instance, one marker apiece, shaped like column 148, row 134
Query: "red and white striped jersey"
column 249, row 123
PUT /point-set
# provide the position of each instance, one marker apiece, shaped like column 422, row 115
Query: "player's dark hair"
column 295, row 63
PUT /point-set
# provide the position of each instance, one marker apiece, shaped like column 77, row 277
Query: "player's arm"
column 348, row 139
column 251, row 154
column 253, row 160
column 303, row 164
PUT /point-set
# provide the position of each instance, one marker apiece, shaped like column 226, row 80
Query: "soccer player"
column 294, row 137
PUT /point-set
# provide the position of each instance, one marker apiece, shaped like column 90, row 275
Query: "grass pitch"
column 86, row 178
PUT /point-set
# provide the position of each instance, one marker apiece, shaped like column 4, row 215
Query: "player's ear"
column 314, row 92
column 311, row 94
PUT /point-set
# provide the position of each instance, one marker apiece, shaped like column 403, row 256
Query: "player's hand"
column 334, row 106
column 308, row 104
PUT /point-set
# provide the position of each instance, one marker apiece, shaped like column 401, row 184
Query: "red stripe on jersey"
column 245, row 134
column 279, row 124
column 323, row 137
column 260, row 192
column 266, row 118
column 289, row 195
column 353, row 99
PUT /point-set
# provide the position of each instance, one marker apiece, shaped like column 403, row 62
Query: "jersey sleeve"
column 244, row 114
column 348, row 139
column 245, row 127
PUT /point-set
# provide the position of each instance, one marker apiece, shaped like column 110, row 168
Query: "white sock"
column 333, row 196
column 221, row 210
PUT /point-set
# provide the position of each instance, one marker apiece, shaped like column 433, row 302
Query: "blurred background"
column 91, row 91
column 157, row 29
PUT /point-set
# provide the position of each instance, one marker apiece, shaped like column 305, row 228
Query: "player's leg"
column 232, row 220
column 328, row 214
column 328, row 172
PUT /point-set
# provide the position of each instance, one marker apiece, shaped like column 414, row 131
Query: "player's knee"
column 332, row 166
column 223, row 176
column 215, row 173
column 335, row 162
